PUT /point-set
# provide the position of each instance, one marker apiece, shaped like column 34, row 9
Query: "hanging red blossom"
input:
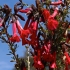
column 27, row 23
column 24, row 36
column 19, row 27
column 53, row 65
column 23, row 33
column 1, row 22
column 15, row 37
column 67, row 61
column 56, row 3
column 67, row 57
column 37, row 63
column 52, row 24
column 33, row 29
column 53, row 62
column 24, row 10
column 45, row 14
column 55, row 12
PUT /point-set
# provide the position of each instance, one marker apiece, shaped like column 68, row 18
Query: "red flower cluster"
column 15, row 37
column 29, row 35
column 67, row 60
column 52, row 24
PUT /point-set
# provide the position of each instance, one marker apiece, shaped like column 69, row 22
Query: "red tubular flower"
column 56, row 3
column 34, row 25
column 45, row 14
column 52, row 24
column 39, row 54
column 55, row 12
column 27, row 23
column 53, row 65
column 19, row 27
column 24, row 35
column 33, row 28
column 34, row 42
column 37, row 63
column 67, row 57
column 67, row 61
column 1, row 22
column 53, row 62
column 15, row 37
column 24, row 11
column 47, row 47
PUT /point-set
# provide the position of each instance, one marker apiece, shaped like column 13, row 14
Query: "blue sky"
column 5, row 63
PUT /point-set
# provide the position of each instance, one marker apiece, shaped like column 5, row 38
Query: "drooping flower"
column 23, row 33
column 45, row 14
column 25, row 10
column 19, row 27
column 56, row 3
column 47, row 46
column 52, row 24
column 15, row 37
column 67, row 60
column 47, row 55
column 55, row 12
column 24, row 36
column 33, row 29
column 52, row 65
column 1, row 22
column 37, row 63
column 27, row 23
column 67, row 57
column 53, row 62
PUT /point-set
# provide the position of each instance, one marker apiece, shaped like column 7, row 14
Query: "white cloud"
column 5, row 66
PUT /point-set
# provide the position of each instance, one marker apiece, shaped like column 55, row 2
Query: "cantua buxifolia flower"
column 56, row 3
column 23, row 33
column 67, row 57
column 27, row 10
column 23, row 11
column 1, row 21
column 55, row 12
column 53, row 62
column 33, row 29
column 27, row 23
column 15, row 37
column 47, row 55
column 52, row 24
column 67, row 60
column 37, row 63
column 19, row 27
column 45, row 14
